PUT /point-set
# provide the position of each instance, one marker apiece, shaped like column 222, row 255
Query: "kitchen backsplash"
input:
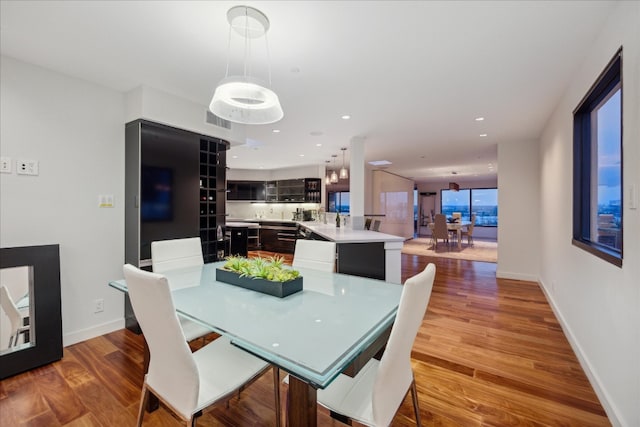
column 247, row 210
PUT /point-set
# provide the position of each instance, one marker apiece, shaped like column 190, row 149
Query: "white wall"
column 392, row 196
column 519, row 210
column 597, row 303
column 75, row 129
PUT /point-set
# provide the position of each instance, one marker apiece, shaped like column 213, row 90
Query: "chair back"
column 440, row 227
column 394, row 372
column 176, row 253
column 315, row 254
column 367, row 223
column 172, row 373
column 11, row 310
column 473, row 223
column 376, row 225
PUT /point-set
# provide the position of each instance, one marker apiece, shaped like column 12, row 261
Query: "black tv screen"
column 156, row 201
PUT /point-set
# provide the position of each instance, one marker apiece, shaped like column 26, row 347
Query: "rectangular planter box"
column 277, row 289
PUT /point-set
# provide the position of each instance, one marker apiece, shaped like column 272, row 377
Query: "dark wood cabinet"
column 278, row 237
column 175, row 187
column 246, row 190
column 300, row 190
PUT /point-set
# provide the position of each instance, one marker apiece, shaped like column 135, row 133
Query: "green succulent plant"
column 271, row 269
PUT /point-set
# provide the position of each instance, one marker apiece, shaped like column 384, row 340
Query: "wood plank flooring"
column 489, row 353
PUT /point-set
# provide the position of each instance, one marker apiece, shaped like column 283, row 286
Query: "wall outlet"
column 5, row 164
column 98, row 306
column 27, row 167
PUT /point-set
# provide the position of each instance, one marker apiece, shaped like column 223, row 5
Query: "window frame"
column 583, row 145
column 442, row 190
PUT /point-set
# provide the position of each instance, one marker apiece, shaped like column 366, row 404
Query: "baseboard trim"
column 516, row 276
column 601, row 392
column 95, row 331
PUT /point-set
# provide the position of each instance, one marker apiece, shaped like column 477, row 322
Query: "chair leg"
column 414, row 397
column 143, row 404
column 276, row 390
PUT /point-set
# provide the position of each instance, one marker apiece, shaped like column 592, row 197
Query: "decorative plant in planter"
column 266, row 275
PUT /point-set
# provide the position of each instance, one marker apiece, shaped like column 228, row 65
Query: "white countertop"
column 347, row 235
column 329, row 231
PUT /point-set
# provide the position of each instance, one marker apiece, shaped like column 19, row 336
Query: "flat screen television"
column 156, row 201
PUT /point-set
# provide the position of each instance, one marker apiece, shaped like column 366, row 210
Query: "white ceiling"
column 413, row 75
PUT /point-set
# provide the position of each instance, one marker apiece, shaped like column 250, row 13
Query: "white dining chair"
column 374, row 395
column 16, row 327
column 186, row 382
column 180, row 253
column 315, row 254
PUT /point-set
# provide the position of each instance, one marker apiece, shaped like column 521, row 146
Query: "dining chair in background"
column 374, row 395
column 440, row 231
column 315, row 254
column 180, row 253
column 376, row 225
column 16, row 327
column 186, row 382
column 367, row 223
column 468, row 230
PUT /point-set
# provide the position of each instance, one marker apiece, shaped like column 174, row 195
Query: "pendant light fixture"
column 327, row 178
column 246, row 99
column 344, row 173
column 334, row 176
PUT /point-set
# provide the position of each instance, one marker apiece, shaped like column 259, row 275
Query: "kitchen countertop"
column 347, row 235
column 329, row 231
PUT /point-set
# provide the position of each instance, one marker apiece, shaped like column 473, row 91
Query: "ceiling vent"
column 212, row 119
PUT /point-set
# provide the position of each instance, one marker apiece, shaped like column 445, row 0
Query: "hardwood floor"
column 489, row 353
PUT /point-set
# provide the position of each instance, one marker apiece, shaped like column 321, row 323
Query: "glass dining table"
column 334, row 324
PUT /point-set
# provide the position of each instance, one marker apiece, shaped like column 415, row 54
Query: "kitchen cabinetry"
column 300, row 190
column 278, row 237
column 246, row 190
column 175, row 183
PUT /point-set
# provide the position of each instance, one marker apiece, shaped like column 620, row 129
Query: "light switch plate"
column 5, row 164
column 633, row 197
column 105, row 201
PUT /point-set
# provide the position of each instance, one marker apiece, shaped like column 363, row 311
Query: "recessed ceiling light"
column 318, row 145
column 276, row 131
column 346, row 117
column 235, row 157
column 479, row 119
column 301, row 155
column 482, row 135
column 379, row 162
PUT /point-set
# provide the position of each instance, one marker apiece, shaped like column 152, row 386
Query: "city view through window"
column 483, row 202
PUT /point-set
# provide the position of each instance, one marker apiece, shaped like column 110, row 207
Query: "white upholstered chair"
column 180, row 253
column 185, row 382
column 374, row 395
column 176, row 253
column 439, row 231
column 15, row 317
column 315, row 254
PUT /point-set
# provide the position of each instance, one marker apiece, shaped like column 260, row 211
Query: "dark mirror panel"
column 32, row 276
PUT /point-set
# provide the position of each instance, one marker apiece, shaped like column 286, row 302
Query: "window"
column 597, row 166
column 483, row 202
column 338, row 201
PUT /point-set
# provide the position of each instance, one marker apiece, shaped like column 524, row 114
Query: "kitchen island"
column 362, row 253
